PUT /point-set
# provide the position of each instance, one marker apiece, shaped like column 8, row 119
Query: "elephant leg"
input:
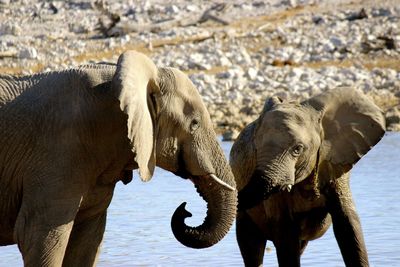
column 346, row 224
column 288, row 253
column 85, row 241
column 303, row 245
column 42, row 229
column 288, row 245
column 251, row 240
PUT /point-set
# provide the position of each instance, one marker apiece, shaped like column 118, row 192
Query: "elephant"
column 292, row 167
column 67, row 137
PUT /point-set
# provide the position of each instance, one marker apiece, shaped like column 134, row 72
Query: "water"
column 138, row 228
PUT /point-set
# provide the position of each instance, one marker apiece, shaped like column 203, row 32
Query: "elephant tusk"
column 219, row 181
column 287, row 187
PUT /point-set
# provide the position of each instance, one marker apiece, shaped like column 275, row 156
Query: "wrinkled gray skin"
column 292, row 167
column 68, row 137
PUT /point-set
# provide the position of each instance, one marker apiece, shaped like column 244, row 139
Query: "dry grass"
column 367, row 63
column 213, row 70
column 19, row 70
column 388, row 63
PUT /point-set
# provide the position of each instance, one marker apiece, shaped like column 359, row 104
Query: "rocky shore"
column 238, row 53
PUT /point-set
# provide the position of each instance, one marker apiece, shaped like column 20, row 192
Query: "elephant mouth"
column 266, row 184
column 182, row 173
column 270, row 185
column 260, row 188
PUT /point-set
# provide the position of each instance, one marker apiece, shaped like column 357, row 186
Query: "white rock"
column 295, row 73
column 196, row 57
column 235, row 72
column 180, row 62
column 252, row 73
column 336, row 41
column 209, row 79
column 192, row 8
column 224, row 61
column 10, row 28
column 292, row 3
column 125, row 39
column 239, row 83
column 28, row 53
column 245, row 56
column 329, row 47
column 260, row 79
column 223, row 75
column 172, row 9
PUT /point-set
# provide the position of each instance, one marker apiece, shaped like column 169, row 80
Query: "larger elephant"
column 292, row 171
column 68, row 137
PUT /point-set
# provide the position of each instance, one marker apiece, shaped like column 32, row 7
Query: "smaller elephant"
column 291, row 167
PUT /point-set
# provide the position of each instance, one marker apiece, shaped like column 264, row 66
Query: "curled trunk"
column 221, row 212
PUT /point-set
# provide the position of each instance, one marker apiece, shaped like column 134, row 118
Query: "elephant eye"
column 297, row 150
column 195, row 124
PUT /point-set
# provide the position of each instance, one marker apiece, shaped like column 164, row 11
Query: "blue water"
column 138, row 228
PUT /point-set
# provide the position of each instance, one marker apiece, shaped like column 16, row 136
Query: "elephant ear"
column 351, row 124
column 133, row 83
column 242, row 157
column 270, row 103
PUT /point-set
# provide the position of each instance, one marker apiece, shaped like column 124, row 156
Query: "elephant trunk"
column 221, row 200
column 259, row 188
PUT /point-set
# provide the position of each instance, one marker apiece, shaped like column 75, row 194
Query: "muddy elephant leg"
column 250, row 239
column 85, row 241
column 43, row 225
column 346, row 224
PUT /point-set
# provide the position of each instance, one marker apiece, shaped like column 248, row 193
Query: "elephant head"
column 169, row 126
column 323, row 136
